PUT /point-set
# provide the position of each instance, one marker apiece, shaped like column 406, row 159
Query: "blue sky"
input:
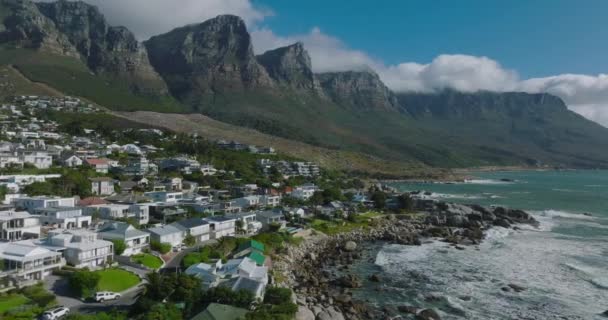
column 536, row 38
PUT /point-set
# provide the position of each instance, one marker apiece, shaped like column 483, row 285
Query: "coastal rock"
column 605, row 314
column 350, row 246
column 516, row 288
column 350, row 281
column 304, row 314
column 408, row 309
column 330, row 314
column 502, row 223
column 374, row 278
column 428, row 314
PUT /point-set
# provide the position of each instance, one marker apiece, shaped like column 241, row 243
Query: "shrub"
column 276, row 295
column 84, row 283
column 119, row 246
column 160, row 247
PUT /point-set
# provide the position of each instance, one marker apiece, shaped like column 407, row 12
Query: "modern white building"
column 24, row 264
column 39, row 159
column 31, row 203
column 270, row 217
column 196, row 227
column 250, row 224
column 136, row 240
column 80, row 248
column 304, row 192
column 63, row 217
column 167, row 234
column 221, row 226
column 164, row 196
column 237, row 274
column 18, row 225
column 103, row 186
column 139, row 212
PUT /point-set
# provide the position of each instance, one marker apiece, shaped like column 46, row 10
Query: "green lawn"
column 341, row 226
column 11, row 302
column 148, row 260
column 116, row 280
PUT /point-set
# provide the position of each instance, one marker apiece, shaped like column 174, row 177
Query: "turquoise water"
column 563, row 263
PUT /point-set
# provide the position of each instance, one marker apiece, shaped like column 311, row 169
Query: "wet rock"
column 330, row 314
column 374, row 278
column 350, row 246
column 502, row 223
column 516, row 288
column 465, row 298
column 350, row 281
column 605, row 314
column 459, row 247
column 428, row 314
column 407, row 309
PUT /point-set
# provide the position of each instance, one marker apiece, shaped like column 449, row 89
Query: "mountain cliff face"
column 23, row 26
column 291, row 66
column 105, row 49
column 450, row 104
column 202, row 60
column 359, row 90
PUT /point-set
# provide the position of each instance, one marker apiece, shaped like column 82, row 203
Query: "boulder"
column 428, row 314
column 516, row 288
column 502, row 223
column 304, row 314
column 374, row 278
column 605, row 314
column 350, row 281
column 407, row 309
column 350, row 246
column 330, row 314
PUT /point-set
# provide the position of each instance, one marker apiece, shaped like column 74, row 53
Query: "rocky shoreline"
column 323, row 294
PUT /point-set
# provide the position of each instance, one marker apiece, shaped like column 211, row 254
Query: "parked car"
column 56, row 313
column 106, row 295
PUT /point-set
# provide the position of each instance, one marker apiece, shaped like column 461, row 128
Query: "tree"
column 317, row 198
column 379, row 199
column 163, row 312
column 189, row 240
column 276, row 295
column 405, row 202
column 224, row 295
column 240, row 225
column 84, row 283
column 119, row 246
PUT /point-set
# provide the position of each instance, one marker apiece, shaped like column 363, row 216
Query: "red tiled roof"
column 91, row 201
column 96, row 162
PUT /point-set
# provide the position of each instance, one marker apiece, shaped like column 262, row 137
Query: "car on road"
column 56, row 313
column 106, row 296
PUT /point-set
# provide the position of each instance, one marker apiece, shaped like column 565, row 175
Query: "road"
column 59, row 286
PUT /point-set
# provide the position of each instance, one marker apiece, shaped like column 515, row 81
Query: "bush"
column 84, row 283
column 119, row 246
column 160, row 247
column 39, row 295
column 276, row 295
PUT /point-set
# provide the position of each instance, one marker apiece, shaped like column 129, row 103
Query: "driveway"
column 59, row 286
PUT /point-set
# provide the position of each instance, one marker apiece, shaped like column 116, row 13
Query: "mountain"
column 105, row 49
column 359, row 90
column 291, row 66
column 202, row 60
column 211, row 68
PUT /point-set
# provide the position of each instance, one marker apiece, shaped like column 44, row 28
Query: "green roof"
column 253, row 245
column 216, row 311
column 257, row 257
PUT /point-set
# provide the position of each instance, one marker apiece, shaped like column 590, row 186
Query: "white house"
column 102, row 186
column 81, row 248
column 167, row 234
column 63, row 217
column 39, row 159
column 100, row 165
column 31, row 203
column 271, row 217
column 164, row 196
column 247, row 202
column 221, row 226
column 140, row 212
column 196, row 227
column 25, row 263
column 304, row 192
column 236, row 274
column 18, row 225
column 250, row 224
column 72, row 161
column 136, row 240
column 270, row 201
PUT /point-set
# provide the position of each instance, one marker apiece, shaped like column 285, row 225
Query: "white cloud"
column 152, row 17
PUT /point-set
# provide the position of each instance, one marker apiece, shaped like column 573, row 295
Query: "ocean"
column 563, row 264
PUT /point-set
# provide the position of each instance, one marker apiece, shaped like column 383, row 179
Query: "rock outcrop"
column 358, row 90
column 106, row 49
column 202, row 60
column 291, row 67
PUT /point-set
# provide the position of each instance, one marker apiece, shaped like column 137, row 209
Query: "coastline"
column 321, row 293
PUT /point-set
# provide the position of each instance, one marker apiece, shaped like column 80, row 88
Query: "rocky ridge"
column 323, row 294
